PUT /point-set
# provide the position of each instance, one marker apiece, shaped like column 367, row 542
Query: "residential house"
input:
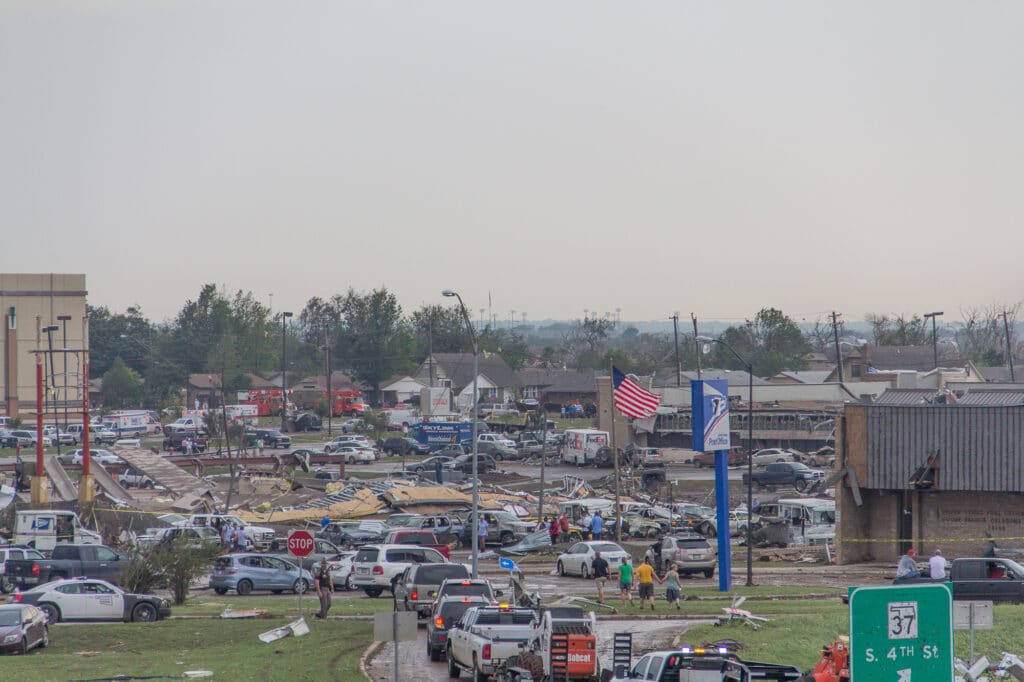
column 204, row 389
column 401, row 389
column 496, row 382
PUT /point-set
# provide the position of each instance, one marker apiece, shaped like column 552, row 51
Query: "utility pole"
column 679, row 365
column 1009, row 347
column 696, row 344
column 64, row 323
column 839, row 354
column 330, row 398
column 935, row 338
column 284, row 371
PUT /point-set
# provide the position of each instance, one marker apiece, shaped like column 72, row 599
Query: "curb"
column 370, row 652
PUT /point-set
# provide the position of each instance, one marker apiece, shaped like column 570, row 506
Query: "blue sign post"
column 710, row 405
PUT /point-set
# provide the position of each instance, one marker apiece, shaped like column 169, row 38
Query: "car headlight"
column 12, row 638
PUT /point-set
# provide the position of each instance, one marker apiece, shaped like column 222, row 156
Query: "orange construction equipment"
column 834, row 664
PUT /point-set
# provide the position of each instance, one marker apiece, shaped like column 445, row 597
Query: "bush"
column 141, row 575
column 180, row 563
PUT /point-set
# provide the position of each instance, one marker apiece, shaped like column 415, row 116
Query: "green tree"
column 122, row 386
column 373, row 341
column 508, row 343
column 439, row 327
column 771, row 342
column 111, row 335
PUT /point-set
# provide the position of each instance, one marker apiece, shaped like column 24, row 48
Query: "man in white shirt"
column 937, row 566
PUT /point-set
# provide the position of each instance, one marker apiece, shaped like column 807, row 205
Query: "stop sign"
column 300, row 543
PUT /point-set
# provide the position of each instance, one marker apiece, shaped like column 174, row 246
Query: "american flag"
column 630, row 399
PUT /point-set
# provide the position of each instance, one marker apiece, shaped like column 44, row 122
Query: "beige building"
column 29, row 303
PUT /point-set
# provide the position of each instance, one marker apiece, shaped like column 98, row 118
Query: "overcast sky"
column 711, row 157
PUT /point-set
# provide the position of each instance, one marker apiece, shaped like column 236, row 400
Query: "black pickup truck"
column 784, row 473
column 67, row 561
column 987, row 579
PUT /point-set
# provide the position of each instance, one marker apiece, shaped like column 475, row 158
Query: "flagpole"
column 615, row 455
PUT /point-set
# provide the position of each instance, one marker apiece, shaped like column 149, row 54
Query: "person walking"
column 937, row 566
column 563, row 528
column 324, row 584
column 907, row 568
column 599, row 569
column 241, row 539
column 259, row 445
column 541, row 525
column 645, row 582
column 673, row 591
column 586, row 523
column 625, row 572
column 481, row 533
column 553, row 530
column 596, row 525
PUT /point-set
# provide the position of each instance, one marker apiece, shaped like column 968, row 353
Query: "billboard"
column 710, row 400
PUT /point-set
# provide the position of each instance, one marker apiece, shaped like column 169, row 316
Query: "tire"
column 710, row 531
column 453, row 670
column 584, row 571
column 373, row 592
column 23, row 649
column 148, row 485
column 506, row 539
column 5, row 585
column 300, row 586
column 434, row 654
column 652, row 532
column 779, row 460
column 800, row 485
column 244, row 587
column 220, row 590
column 477, row 675
column 348, row 583
column 561, row 569
column 351, row 460
column 144, row 613
column 700, row 465
column 709, row 572
column 52, row 612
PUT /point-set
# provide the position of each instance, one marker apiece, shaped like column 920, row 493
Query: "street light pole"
column 476, row 482
column 750, row 454
column 64, row 323
column 53, row 379
column 679, row 366
column 935, row 338
column 284, row 371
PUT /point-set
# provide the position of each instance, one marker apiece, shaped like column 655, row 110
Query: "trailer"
column 436, row 435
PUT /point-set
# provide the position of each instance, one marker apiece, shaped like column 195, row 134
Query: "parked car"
column 576, row 560
column 244, row 573
column 445, row 527
column 495, row 438
column 353, row 425
column 23, row 627
column 404, row 446
column 353, row 454
column 16, row 553
column 323, row 550
column 66, row 561
column 347, row 440
column 736, row 457
column 420, row 538
column 133, row 478
column 769, row 455
column 690, row 554
column 62, row 437
column 323, row 474
column 340, row 569
column 784, row 473
column 428, row 465
column 453, row 450
column 27, row 438
column 272, row 438
column 353, row 533
column 7, row 440
column 97, row 455
column 378, row 566
column 464, row 463
column 90, row 599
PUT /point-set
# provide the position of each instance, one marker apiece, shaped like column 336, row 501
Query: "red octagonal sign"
column 300, row 543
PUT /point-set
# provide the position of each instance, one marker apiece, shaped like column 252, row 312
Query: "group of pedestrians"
column 642, row 577
column 591, row 527
column 233, row 537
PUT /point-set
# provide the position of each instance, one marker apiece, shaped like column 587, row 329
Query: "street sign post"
column 300, row 544
column 901, row 633
column 394, row 626
column 710, row 401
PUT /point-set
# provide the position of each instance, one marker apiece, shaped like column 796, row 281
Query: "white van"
column 581, row 445
column 44, row 528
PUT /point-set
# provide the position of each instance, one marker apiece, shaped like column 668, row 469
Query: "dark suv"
column 464, row 463
column 404, row 446
column 444, row 614
column 272, row 438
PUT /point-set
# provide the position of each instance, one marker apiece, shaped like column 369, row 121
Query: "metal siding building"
column 980, row 448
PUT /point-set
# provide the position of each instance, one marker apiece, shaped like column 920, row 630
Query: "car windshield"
column 10, row 617
column 606, row 547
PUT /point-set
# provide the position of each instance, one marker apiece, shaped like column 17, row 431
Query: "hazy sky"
column 711, row 157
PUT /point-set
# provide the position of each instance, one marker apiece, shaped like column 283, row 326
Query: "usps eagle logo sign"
column 710, row 415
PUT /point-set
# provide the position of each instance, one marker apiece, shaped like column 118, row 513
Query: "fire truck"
column 347, row 403
column 266, row 400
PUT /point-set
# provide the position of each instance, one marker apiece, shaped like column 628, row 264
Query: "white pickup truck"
column 486, row 637
column 260, row 536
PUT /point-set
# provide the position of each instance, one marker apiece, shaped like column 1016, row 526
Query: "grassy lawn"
column 285, row 607
column 228, row 648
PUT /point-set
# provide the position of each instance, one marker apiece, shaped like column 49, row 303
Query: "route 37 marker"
column 901, row 633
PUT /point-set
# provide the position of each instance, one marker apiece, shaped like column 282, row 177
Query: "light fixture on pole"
column 473, row 519
column 935, row 338
column 750, row 454
column 284, row 372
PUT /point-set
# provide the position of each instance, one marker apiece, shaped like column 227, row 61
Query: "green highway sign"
column 901, row 633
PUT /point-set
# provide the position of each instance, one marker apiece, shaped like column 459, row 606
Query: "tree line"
column 371, row 338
